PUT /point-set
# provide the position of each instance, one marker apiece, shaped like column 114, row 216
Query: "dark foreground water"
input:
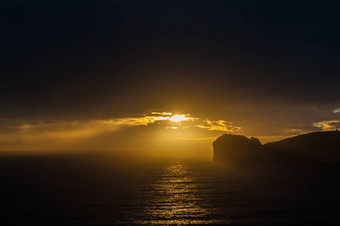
column 72, row 191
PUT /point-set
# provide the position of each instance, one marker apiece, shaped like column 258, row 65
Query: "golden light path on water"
column 177, row 198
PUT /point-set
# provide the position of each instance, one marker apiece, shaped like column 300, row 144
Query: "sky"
column 110, row 75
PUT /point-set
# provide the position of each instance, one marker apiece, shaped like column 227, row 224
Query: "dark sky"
column 251, row 62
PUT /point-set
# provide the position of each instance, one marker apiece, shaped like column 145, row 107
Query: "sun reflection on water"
column 175, row 198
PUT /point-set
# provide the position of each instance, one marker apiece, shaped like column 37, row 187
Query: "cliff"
column 311, row 148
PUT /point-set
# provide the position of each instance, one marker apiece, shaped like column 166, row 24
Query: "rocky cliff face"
column 311, row 148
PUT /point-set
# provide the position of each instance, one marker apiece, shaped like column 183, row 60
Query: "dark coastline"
column 307, row 149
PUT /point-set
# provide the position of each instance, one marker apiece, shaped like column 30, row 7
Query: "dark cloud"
column 261, row 61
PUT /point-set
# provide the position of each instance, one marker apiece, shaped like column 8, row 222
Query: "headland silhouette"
column 310, row 148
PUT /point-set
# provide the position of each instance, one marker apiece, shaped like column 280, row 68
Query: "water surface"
column 65, row 191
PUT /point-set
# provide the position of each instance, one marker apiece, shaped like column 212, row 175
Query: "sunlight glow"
column 178, row 118
column 64, row 135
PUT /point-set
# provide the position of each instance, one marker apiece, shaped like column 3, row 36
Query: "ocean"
column 50, row 190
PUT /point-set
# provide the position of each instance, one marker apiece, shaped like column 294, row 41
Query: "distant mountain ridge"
column 310, row 148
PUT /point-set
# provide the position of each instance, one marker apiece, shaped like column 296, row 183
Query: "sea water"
column 52, row 191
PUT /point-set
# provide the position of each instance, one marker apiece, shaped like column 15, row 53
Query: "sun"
column 178, row 118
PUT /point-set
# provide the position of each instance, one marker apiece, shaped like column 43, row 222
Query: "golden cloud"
column 219, row 125
column 327, row 125
column 55, row 133
column 336, row 110
column 196, row 138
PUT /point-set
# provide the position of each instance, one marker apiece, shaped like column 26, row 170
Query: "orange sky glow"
column 154, row 132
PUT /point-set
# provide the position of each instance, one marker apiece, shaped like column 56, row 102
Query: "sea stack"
column 236, row 149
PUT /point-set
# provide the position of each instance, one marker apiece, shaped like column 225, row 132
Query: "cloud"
column 219, row 125
column 336, row 110
column 91, row 127
column 197, row 138
column 159, row 113
column 56, row 134
column 163, row 116
column 295, row 132
column 328, row 125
